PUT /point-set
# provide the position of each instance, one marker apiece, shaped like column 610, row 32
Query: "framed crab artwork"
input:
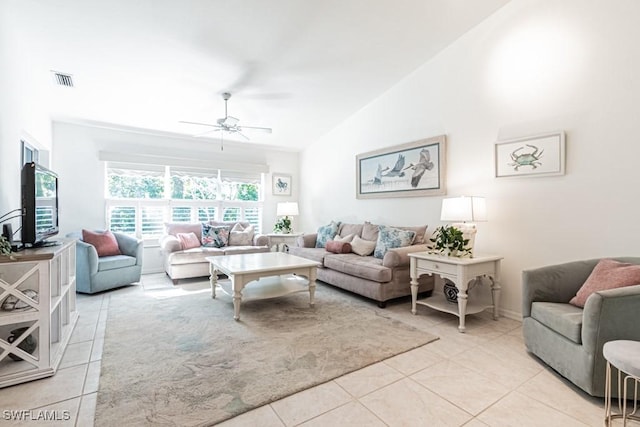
column 538, row 155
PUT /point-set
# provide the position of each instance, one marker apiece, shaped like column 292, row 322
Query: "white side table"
column 282, row 241
column 460, row 271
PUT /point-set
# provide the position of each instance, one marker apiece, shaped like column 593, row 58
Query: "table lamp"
column 461, row 210
column 286, row 209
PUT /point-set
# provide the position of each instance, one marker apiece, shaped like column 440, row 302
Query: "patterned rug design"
column 176, row 357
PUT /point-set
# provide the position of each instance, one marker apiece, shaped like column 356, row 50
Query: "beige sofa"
column 183, row 264
column 378, row 279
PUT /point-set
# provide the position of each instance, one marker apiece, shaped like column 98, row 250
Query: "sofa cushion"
column 420, row 231
column 362, row 247
column 346, row 229
column 338, row 247
column 241, row 236
column 369, row 268
column 104, row 242
column 214, row 236
column 326, row 233
column 370, row 231
column 188, row 240
column 174, row 228
column 314, row 254
column 229, row 224
column 194, row 256
column 565, row 319
column 115, row 262
column 390, row 238
column 607, row 274
column 348, row 238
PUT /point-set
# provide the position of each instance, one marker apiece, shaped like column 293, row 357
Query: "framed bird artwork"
column 413, row 169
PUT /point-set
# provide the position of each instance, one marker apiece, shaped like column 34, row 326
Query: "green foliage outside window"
column 239, row 191
column 182, row 188
column 135, row 187
column 193, row 188
column 247, row 192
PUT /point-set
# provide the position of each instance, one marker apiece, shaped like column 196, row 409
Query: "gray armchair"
column 567, row 338
column 96, row 274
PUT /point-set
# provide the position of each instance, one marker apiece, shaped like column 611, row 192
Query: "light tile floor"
column 482, row 378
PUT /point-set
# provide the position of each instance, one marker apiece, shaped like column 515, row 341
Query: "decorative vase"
column 450, row 291
column 28, row 345
column 451, row 252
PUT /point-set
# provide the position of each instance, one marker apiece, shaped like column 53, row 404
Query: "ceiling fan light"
column 230, row 121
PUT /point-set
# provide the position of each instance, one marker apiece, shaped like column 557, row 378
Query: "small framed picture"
column 538, row 155
column 281, row 184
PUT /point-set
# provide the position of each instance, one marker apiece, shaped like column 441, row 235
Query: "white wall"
column 24, row 95
column 82, row 174
column 532, row 67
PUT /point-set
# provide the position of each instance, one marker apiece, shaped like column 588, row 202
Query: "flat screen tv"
column 39, row 205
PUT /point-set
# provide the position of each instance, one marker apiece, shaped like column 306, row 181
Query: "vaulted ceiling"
column 299, row 67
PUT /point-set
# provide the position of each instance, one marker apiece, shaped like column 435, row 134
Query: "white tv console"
column 51, row 272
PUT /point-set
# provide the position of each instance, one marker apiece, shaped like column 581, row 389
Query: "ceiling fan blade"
column 243, row 135
column 198, row 123
column 198, row 135
column 267, row 96
column 266, row 130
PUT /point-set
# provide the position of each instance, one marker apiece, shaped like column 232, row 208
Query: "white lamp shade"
column 479, row 205
column 464, row 209
column 287, row 209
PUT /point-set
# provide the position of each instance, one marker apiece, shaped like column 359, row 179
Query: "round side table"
column 624, row 355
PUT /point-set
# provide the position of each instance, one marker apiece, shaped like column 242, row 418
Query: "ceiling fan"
column 227, row 123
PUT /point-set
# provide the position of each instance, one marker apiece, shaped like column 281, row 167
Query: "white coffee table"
column 270, row 275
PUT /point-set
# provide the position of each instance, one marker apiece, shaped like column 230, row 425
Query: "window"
column 231, row 214
column 135, row 181
column 194, row 187
column 29, row 153
column 123, row 219
column 253, row 216
column 207, row 213
column 152, row 220
column 141, row 198
column 181, row 214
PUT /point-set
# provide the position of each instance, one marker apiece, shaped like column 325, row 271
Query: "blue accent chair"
column 97, row 274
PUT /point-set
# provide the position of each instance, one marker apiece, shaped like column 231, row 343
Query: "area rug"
column 177, row 357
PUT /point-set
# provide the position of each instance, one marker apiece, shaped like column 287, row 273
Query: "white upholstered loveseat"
column 182, row 263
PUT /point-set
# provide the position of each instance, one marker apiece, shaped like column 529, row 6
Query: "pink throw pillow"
column 105, row 243
column 338, row 247
column 607, row 274
column 188, row 240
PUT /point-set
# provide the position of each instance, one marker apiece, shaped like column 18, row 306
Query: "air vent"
column 62, row 79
